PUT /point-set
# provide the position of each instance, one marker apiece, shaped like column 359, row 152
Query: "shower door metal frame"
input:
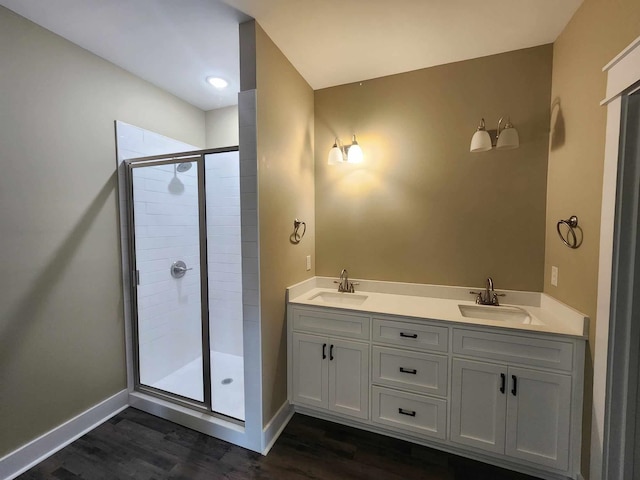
column 197, row 156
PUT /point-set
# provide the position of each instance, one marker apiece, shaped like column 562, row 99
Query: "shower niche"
column 184, row 273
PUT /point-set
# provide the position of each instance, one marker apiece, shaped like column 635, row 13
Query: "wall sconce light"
column 502, row 139
column 340, row 153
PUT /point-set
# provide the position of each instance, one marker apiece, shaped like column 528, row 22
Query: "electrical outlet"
column 308, row 262
column 554, row 276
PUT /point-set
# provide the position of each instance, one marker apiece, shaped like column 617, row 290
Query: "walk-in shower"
column 186, row 279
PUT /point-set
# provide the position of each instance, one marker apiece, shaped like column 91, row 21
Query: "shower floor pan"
column 227, row 380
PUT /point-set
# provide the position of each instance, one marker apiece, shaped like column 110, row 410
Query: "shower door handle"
column 179, row 269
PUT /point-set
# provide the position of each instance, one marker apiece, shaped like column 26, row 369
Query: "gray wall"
column 61, row 319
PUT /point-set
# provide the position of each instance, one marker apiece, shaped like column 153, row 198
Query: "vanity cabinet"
column 329, row 372
column 509, row 409
column 513, row 398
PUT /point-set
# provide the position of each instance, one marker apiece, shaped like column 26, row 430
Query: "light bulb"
column 217, row 82
column 355, row 152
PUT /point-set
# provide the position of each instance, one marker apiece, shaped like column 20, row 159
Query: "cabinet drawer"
column 330, row 323
column 426, row 337
column 510, row 348
column 409, row 412
column 420, row 372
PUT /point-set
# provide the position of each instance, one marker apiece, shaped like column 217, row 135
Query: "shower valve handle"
column 179, row 269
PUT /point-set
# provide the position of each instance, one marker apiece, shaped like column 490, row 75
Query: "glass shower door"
column 168, row 252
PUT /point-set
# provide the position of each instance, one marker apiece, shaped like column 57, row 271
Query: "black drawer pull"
column 514, row 392
column 408, row 335
column 408, row 413
column 503, row 382
column 324, row 351
column 331, row 352
column 412, row 371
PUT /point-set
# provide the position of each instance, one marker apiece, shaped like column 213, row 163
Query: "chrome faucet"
column 490, row 296
column 488, row 291
column 344, row 285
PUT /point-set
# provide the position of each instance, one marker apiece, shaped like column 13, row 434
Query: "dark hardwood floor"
column 136, row 445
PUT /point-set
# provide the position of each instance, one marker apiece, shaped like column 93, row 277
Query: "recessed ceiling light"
column 217, row 82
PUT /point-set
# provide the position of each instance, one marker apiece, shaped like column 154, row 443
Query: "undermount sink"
column 500, row 314
column 336, row 298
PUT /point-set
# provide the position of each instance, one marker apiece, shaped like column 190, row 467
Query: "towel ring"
column 571, row 240
column 295, row 236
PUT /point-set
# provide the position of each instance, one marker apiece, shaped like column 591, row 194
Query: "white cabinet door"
column 538, row 417
column 349, row 378
column 478, row 405
column 310, row 370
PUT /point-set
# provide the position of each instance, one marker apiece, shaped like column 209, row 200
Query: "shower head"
column 184, row 167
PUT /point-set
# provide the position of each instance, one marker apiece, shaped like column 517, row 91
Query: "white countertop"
column 548, row 315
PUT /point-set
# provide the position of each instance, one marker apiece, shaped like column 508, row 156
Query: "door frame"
column 617, row 339
column 624, row 336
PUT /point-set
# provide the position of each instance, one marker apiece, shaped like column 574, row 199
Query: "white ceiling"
column 177, row 44
column 172, row 44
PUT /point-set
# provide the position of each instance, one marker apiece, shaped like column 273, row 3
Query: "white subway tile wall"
column 134, row 142
column 225, row 255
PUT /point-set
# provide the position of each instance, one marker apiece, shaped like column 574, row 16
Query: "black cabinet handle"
column 503, row 378
column 331, row 352
column 324, row 351
column 514, row 392
column 408, row 335
column 412, row 371
column 409, row 413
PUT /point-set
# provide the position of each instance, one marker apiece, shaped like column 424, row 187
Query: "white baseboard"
column 29, row 455
column 276, row 425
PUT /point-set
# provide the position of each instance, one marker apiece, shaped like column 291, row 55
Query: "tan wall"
column 286, row 191
column 221, row 127
column 422, row 208
column 61, row 312
column 598, row 31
